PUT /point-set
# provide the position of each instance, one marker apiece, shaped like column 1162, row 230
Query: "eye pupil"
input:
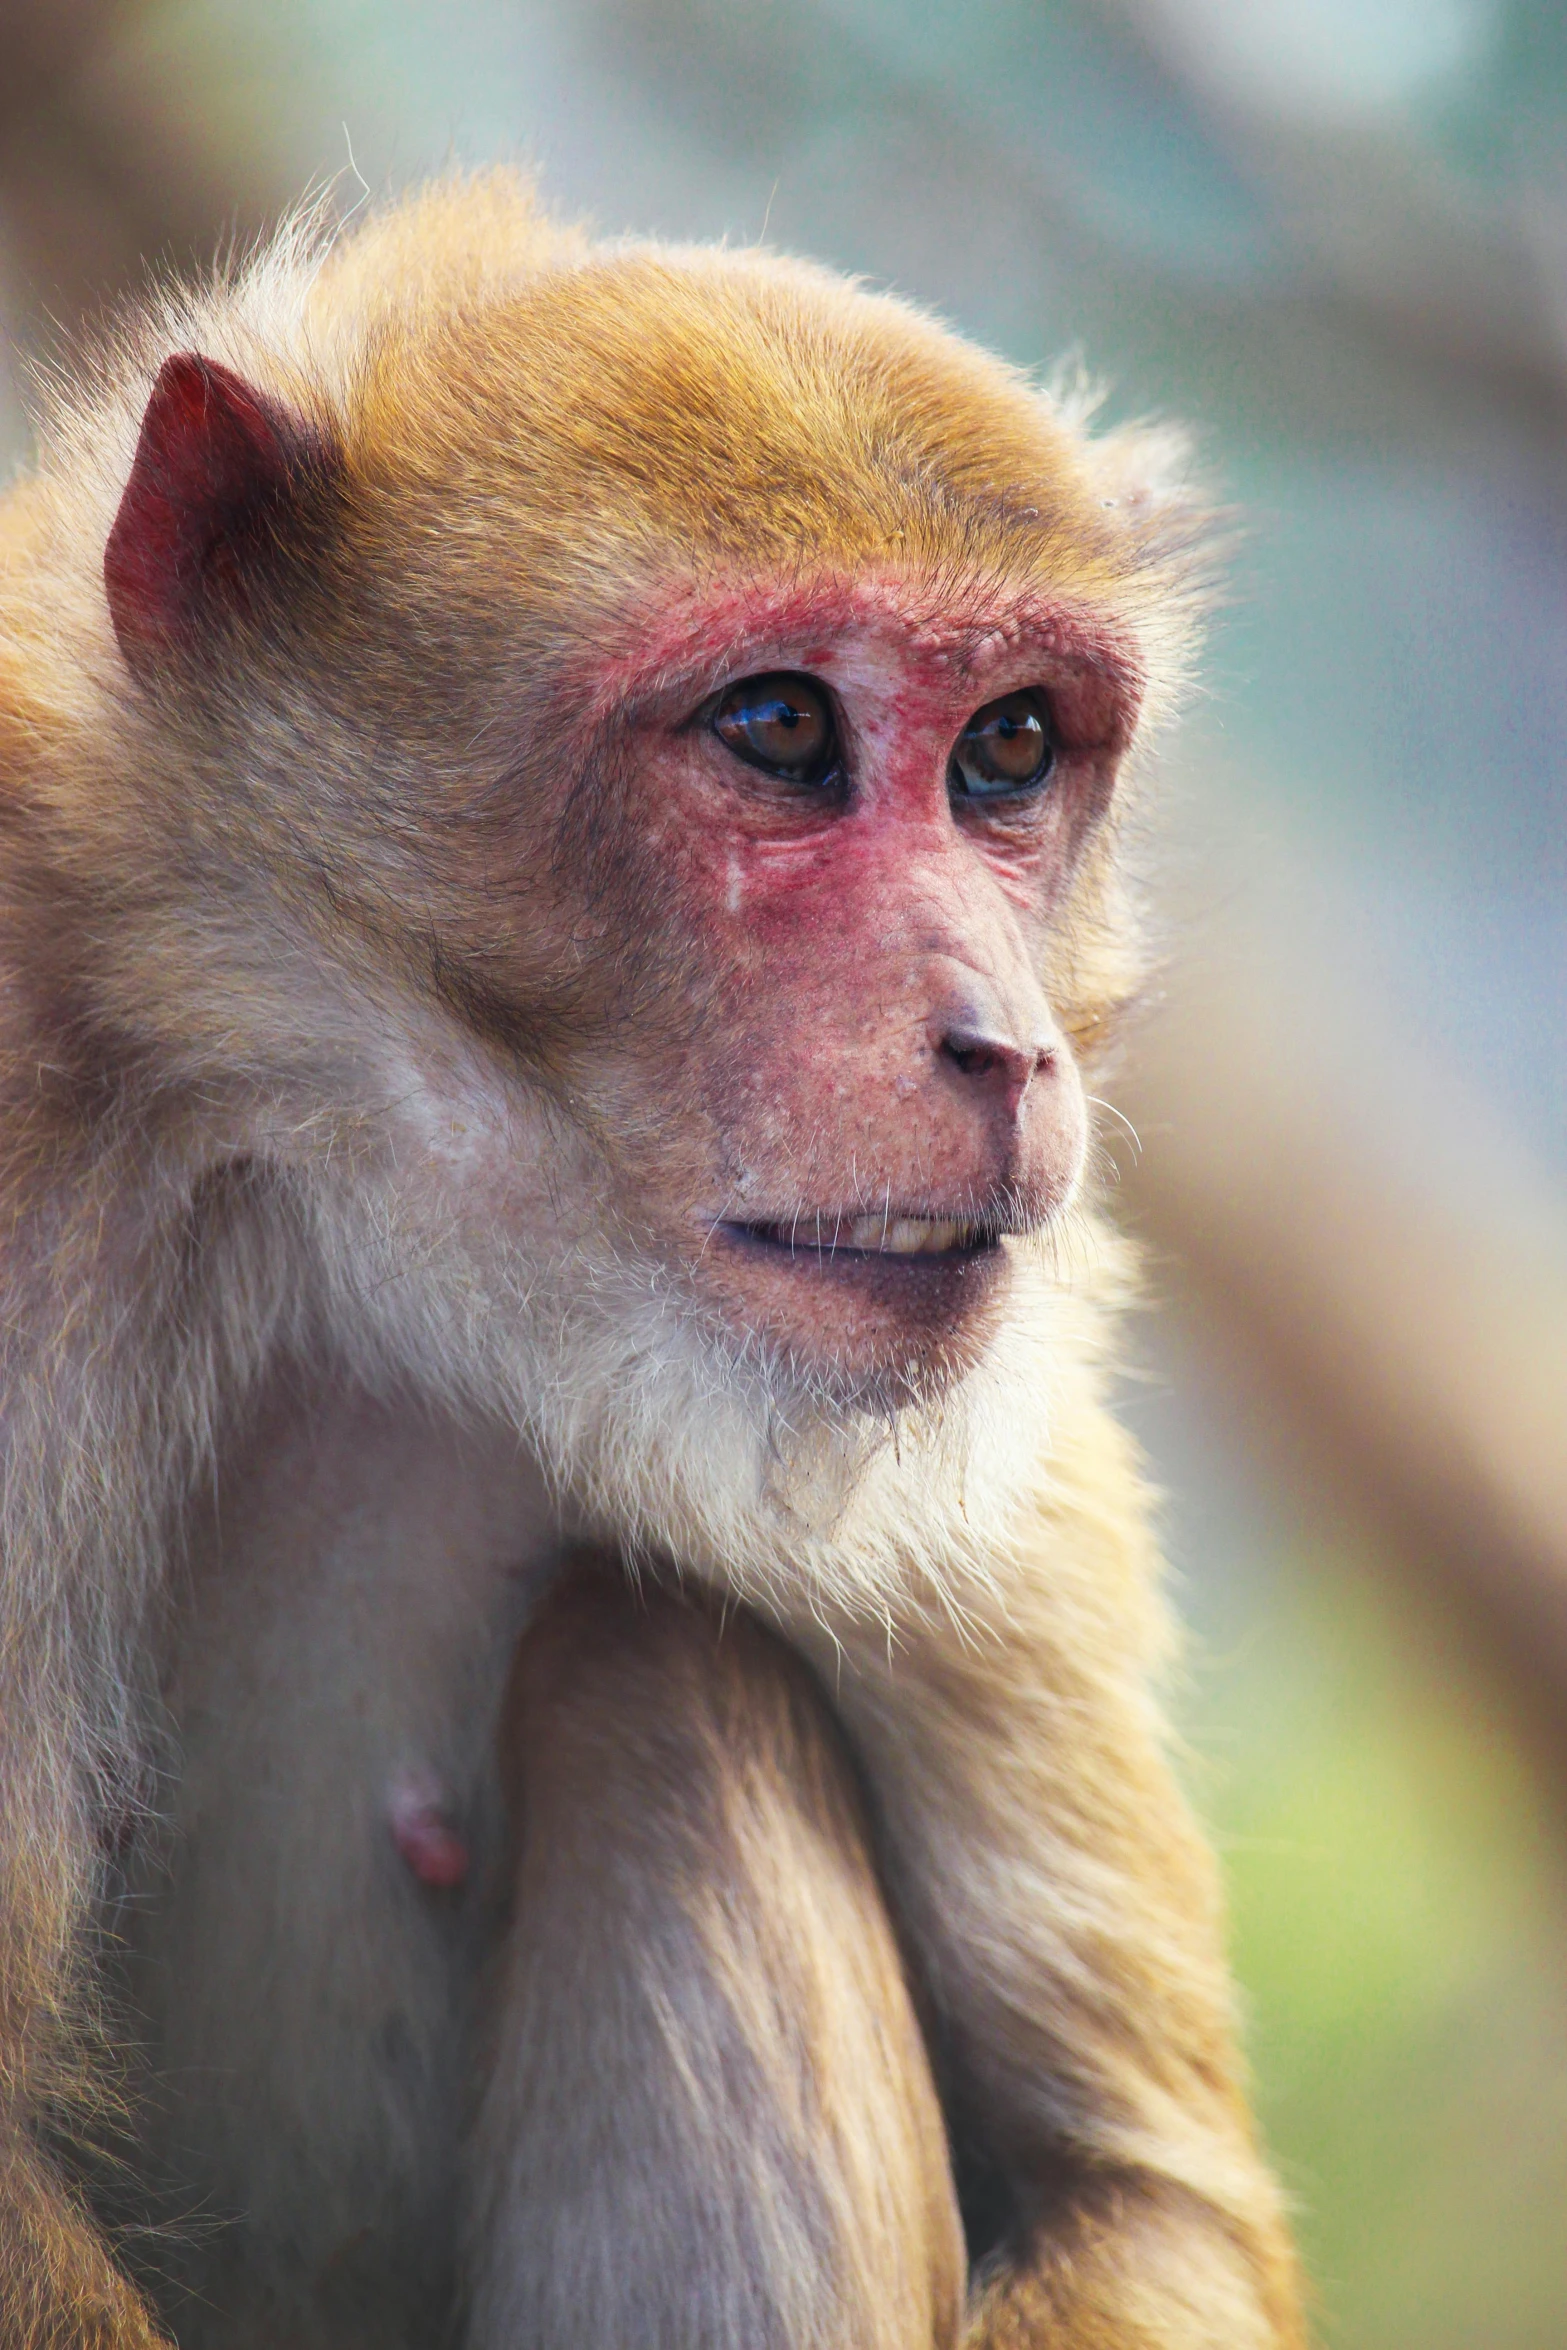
column 783, row 725
column 1006, row 748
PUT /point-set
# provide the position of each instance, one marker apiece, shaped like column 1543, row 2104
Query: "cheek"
column 816, row 1063
column 787, row 904
column 816, row 965
column 784, row 953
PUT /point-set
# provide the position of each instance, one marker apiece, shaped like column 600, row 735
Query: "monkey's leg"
column 707, row 2119
column 1067, row 1916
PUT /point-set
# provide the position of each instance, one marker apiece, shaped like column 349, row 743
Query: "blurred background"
column 1333, row 235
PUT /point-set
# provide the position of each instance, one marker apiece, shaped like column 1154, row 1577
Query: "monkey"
column 564, row 882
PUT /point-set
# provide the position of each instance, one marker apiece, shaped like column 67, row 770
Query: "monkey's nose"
column 995, row 1060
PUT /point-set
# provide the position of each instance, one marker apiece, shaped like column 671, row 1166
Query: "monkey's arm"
column 59, row 2287
column 708, row 2116
column 59, row 2290
column 1066, row 1917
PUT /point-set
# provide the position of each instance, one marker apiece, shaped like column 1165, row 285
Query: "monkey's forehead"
column 647, row 401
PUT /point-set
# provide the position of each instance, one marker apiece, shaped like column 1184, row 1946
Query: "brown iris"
column 782, row 724
column 1005, row 748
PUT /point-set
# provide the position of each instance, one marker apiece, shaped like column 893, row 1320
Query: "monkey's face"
column 849, row 818
column 675, row 719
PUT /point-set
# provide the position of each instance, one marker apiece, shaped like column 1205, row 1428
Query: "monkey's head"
column 653, row 720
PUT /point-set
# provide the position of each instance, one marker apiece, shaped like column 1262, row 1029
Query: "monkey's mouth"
column 880, row 1234
column 887, row 1296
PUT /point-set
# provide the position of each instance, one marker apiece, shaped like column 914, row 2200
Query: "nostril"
column 973, row 1058
column 980, row 1053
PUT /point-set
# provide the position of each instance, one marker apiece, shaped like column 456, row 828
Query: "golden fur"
column 258, row 1143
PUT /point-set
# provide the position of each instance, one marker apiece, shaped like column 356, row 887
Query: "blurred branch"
column 1391, row 1276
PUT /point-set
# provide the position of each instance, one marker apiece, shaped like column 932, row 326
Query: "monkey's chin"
column 874, row 1328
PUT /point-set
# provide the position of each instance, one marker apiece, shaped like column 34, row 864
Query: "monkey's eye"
column 1006, row 747
column 781, row 724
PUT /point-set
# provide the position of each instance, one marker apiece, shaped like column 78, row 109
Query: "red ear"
column 218, row 469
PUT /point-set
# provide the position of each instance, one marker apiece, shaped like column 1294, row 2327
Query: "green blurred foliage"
column 1400, row 1927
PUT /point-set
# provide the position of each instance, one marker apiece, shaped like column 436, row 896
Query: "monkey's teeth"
column 875, row 1235
column 904, row 1236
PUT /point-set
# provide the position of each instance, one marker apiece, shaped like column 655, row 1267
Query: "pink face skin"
column 876, row 1042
